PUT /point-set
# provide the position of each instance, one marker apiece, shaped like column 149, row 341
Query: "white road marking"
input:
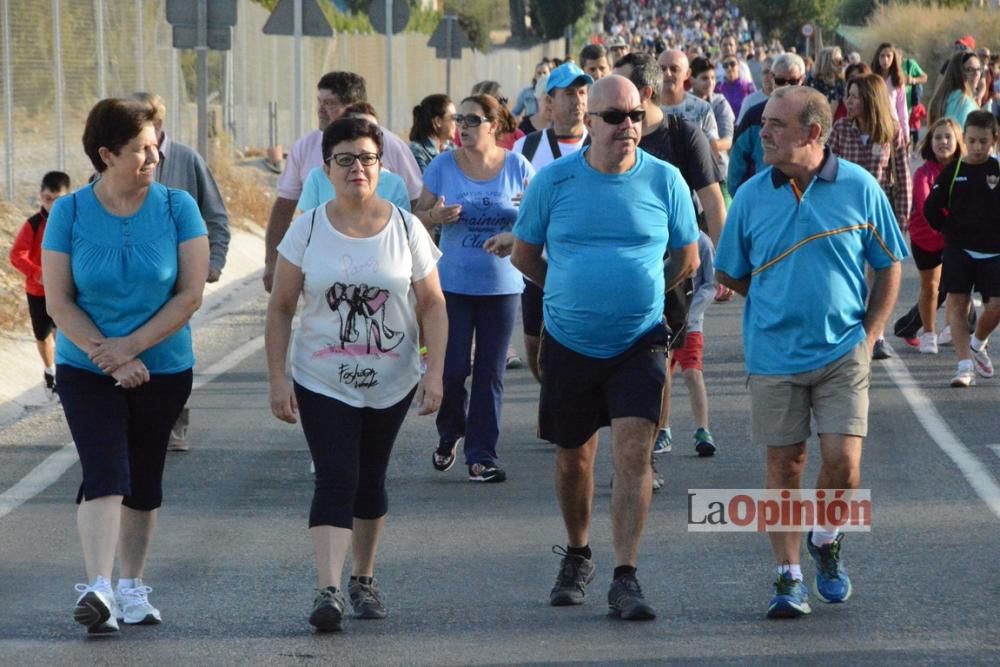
column 982, row 482
column 52, row 468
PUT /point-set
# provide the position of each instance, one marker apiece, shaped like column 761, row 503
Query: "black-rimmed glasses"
column 347, row 159
column 617, row 116
column 782, row 81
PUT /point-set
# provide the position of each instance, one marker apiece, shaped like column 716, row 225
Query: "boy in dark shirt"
column 964, row 205
column 26, row 257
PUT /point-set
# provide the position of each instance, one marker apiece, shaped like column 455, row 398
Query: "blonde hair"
column 926, row 146
column 154, row 101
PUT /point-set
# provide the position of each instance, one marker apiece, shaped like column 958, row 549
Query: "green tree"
column 552, row 17
column 785, row 19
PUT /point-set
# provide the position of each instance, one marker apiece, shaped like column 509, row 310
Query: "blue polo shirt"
column 605, row 236
column 806, row 263
column 125, row 268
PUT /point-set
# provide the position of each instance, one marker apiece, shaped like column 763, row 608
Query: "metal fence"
column 58, row 57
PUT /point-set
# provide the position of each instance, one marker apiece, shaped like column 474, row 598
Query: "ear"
column 105, row 154
column 814, row 132
column 326, row 169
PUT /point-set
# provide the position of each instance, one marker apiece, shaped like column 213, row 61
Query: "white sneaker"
column 928, row 343
column 944, row 338
column 981, row 359
column 133, row 605
column 964, row 377
column 96, row 608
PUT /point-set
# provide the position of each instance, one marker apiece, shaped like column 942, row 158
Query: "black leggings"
column 350, row 447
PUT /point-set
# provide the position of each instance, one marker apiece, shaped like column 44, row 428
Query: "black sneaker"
column 575, row 572
column 444, row 456
column 626, row 602
column 328, row 611
column 486, row 472
column 881, row 350
column 50, row 386
column 366, row 597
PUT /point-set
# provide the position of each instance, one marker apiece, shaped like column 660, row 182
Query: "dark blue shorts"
column 120, row 434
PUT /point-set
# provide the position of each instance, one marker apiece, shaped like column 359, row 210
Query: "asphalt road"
column 467, row 568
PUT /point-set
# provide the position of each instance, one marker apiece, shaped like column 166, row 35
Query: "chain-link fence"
column 58, row 57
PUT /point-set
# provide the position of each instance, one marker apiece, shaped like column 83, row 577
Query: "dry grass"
column 13, row 307
column 928, row 33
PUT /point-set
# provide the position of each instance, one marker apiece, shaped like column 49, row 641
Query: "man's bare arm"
column 281, row 217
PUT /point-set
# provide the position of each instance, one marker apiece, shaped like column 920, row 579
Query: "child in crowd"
column 965, row 206
column 26, row 257
column 917, row 115
column 942, row 145
column 689, row 357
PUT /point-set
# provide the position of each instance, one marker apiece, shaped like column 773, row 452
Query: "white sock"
column 976, row 344
column 965, row 364
column 821, row 537
column 794, row 570
column 667, row 431
column 101, row 583
column 124, row 584
column 51, row 370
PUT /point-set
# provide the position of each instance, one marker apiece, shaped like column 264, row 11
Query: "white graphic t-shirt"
column 357, row 339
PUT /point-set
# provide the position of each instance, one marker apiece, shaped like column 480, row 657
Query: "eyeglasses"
column 729, row 65
column 470, row 119
column 347, row 159
column 971, row 70
column 617, row 117
column 782, row 81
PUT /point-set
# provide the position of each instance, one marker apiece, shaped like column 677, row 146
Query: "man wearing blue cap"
column 566, row 90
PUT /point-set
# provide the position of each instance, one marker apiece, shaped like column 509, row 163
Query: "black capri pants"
column 350, row 447
column 121, row 434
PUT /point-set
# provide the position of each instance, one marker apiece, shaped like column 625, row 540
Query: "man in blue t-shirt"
column 796, row 243
column 606, row 217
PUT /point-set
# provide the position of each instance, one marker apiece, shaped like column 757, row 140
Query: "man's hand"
column 214, row 273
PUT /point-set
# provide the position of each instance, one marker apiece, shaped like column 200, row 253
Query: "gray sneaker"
column 366, row 597
column 625, row 600
column 575, row 572
column 328, row 610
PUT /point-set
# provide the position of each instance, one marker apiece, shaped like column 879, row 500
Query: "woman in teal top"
column 954, row 96
column 125, row 261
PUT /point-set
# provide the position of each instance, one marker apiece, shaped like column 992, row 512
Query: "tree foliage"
column 552, row 17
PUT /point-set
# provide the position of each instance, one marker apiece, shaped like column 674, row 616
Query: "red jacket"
column 26, row 253
column 922, row 234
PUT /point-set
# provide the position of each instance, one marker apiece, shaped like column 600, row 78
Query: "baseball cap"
column 968, row 41
column 616, row 42
column 565, row 76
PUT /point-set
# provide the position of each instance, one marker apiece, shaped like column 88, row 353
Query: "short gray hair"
column 790, row 61
column 815, row 108
column 645, row 72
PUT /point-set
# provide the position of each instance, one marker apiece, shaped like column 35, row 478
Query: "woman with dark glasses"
column 954, row 96
column 473, row 193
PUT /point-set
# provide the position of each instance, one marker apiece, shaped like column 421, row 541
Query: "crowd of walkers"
column 730, row 169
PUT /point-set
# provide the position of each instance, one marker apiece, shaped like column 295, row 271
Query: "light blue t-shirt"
column 606, row 236
column 487, row 209
column 317, row 190
column 125, row 269
column 806, row 263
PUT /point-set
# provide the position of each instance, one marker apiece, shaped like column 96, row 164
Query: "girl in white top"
column 367, row 272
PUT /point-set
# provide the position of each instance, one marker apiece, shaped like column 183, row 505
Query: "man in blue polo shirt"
column 606, row 216
column 796, row 243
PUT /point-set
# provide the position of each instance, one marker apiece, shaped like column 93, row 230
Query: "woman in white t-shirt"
column 367, row 272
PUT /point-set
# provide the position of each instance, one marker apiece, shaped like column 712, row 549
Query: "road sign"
column 449, row 46
column 400, row 15
column 807, row 30
column 282, row 20
column 183, row 15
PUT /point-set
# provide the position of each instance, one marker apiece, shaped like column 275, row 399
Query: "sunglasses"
column 729, row 65
column 782, row 81
column 470, row 119
column 347, row 159
column 617, row 117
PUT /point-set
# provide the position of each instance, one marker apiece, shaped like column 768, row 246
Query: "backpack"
column 533, row 140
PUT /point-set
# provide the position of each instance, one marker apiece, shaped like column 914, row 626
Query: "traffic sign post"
column 807, row 32
column 389, row 17
column 202, row 25
column 448, row 41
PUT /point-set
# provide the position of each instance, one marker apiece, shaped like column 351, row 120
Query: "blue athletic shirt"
column 487, row 210
column 806, row 263
column 317, row 190
column 605, row 236
column 125, row 268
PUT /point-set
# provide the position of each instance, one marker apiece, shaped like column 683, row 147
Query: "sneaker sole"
column 982, row 373
column 369, row 614
column 571, row 598
column 786, row 609
column 962, row 384
column 327, row 619
column 91, row 612
column 641, row 612
column 492, row 479
column 148, row 619
column 451, row 464
column 847, row 595
column 705, row 449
